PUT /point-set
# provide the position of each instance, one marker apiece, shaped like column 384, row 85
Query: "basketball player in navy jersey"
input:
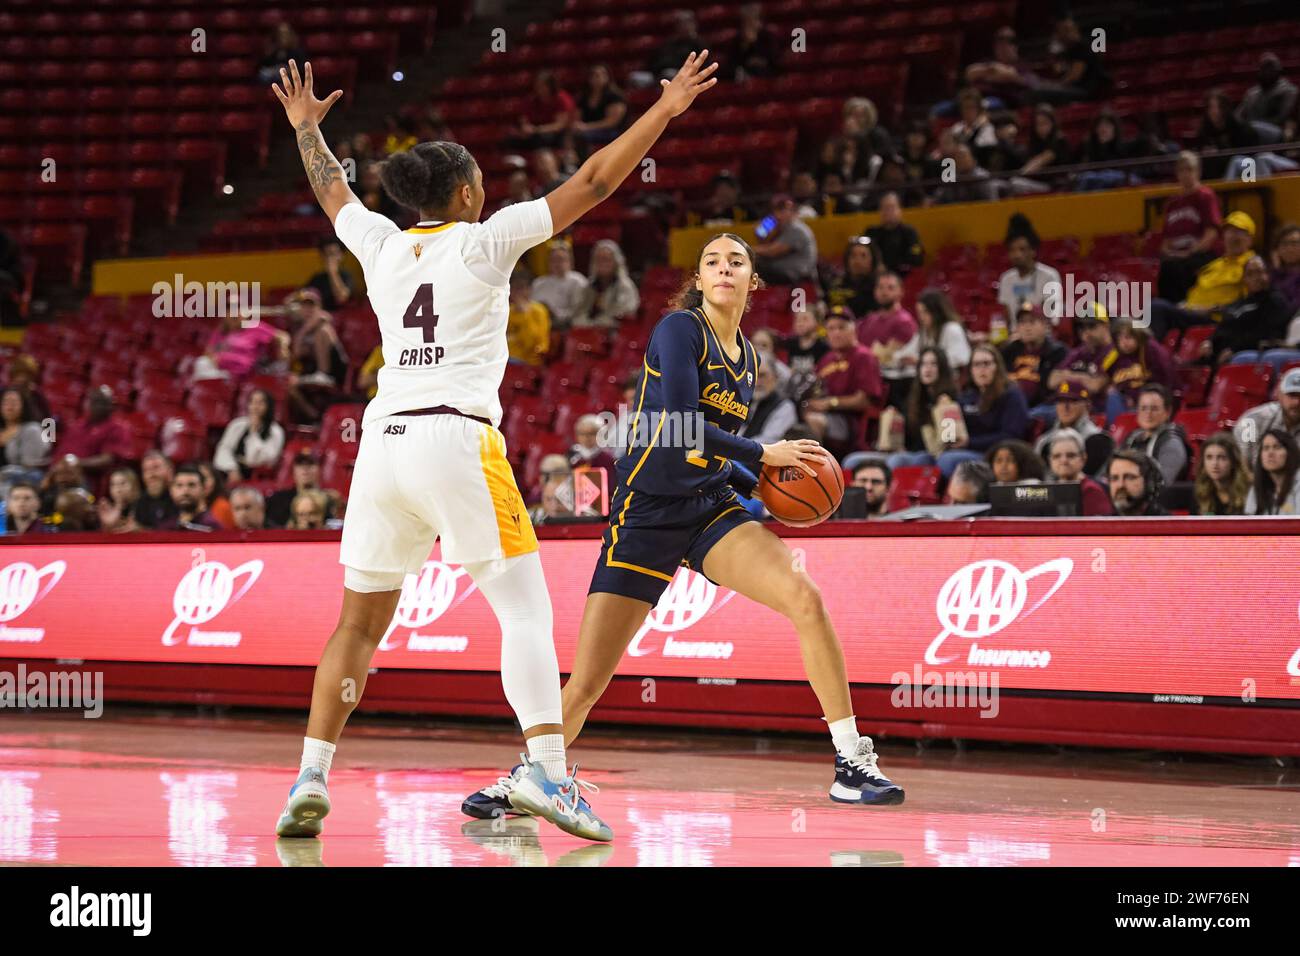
column 678, row 505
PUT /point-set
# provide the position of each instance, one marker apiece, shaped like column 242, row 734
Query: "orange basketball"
column 799, row 499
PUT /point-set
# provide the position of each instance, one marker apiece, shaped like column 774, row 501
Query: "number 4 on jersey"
column 420, row 314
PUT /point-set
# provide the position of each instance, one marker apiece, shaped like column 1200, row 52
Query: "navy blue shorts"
column 650, row 536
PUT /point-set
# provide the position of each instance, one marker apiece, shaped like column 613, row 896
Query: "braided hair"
column 426, row 176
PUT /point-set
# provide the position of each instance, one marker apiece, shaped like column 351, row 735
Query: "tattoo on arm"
column 323, row 169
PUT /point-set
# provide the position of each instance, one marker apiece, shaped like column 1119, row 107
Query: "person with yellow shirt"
column 368, row 377
column 1219, row 282
column 528, row 330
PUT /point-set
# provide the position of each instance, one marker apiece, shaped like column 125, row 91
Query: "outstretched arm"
column 305, row 113
column 604, row 169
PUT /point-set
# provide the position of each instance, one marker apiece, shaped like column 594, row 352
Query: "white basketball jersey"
column 441, row 292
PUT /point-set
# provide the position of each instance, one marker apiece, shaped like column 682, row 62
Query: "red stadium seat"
column 913, row 485
column 183, row 438
column 1122, row 425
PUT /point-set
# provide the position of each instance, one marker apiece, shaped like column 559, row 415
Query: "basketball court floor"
column 162, row 788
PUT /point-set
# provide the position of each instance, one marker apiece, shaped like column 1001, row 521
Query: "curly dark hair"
column 427, row 175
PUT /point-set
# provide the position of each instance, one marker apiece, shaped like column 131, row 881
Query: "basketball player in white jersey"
column 432, row 463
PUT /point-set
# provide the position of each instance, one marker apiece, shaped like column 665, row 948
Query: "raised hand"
column 299, row 100
column 691, row 80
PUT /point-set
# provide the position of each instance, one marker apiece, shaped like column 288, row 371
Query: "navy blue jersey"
column 706, row 396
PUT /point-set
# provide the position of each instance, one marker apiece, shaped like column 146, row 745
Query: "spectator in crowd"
column 116, row 510
column 724, row 206
column 334, row 284
column 850, row 385
column 808, row 200
column 251, row 441
column 549, row 112
column 555, row 473
column 1286, row 268
column 993, row 408
column 23, row 373
column 601, row 108
column 939, row 326
column 766, row 344
column 871, row 142
column 1140, row 361
column 855, row 285
column 368, row 374
column 1031, row 356
column 1221, row 130
column 970, row 483
column 563, row 289
column 23, row 510
column 319, row 361
column 1007, row 155
column 897, row 243
column 155, row 505
column 669, row 56
column 306, row 476
column 528, row 328
column 755, row 50
column 587, row 452
column 546, row 173
column 99, row 440
column 1004, row 79
column 281, row 46
column 1066, row 457
column 370, row 190
column 1014, row 460
column 874, row 477
column 1253, row 324
column 1135, row 483
column 611, row 295
column 1073, row 72
column 1088, row 365
column 770, row 413
column 1047, row 147
column 1275, row 490
column 788, row 254
column 249, row 508
column 1218, row 283
column 1027, row 280
column 24, row 450
column 1072, row 407
column 843, row 155
column 1223, row 480
column 399, row 133
column 932, row 388
column 973, row 127
column 918, row 162
column 192, row 512
column 1156, row 436
column 308, row 509
column 890, row 332
column 1283, row 413
column 1270, row 105
column 74, row 510
column 804, row 349
column 214, row 493
column 973, row 182
column 835, row 200
column 235, row 350
column 1191, row 230
column 1105, row 144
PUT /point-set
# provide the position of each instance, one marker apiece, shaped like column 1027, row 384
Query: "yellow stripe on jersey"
column 646, row 454
column 514, row 529
column 426, row 230
column 613, row 540
column 726, row 362
column 699, row 317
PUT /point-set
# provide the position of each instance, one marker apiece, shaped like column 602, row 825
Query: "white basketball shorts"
column 423, row 477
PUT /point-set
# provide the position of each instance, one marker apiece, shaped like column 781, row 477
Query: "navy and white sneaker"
column 859, row 780
column 309, row 803
column 494, row 801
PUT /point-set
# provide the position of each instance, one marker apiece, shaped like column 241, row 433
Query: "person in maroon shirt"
column 1140, row 360
column 192, row 512
column 1191, row 231
column 885, row 332
column 1065, row 457
column 849, row 385
column 1089, row 364
column 1031, row 355
column 99, row 440
column 549, row 112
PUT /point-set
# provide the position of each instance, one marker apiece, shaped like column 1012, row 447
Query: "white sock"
column 844, row 734
column 318, row 754
column 548, row 750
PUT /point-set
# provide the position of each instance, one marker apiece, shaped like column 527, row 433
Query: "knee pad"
column 369, row 582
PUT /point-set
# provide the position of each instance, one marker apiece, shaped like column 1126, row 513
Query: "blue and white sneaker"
column 309, row 803
column 493, row 801
column 859, row 780
column 560, row 803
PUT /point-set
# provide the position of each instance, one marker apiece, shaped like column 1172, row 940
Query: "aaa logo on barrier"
column 206, row 590
column 689, row 599
column 427, row 596
column 20, row 588
column 986, row 597
column 1293, row 665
